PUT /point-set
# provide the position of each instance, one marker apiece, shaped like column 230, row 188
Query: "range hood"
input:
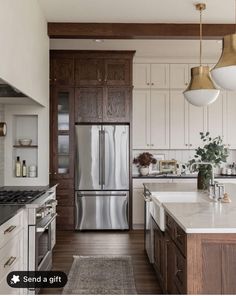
column 8, row 91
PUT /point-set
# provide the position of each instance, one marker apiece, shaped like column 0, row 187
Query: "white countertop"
column 203, row 216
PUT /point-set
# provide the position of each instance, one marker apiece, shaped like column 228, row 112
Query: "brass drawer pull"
column 9, row 229
column 10, row 261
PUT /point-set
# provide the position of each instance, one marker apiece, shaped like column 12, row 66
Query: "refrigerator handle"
column 103, row 157
column 100, row 158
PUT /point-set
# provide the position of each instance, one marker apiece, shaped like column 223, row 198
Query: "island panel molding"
column 137, row 30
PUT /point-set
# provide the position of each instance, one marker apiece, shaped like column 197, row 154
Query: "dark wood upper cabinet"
column 89, row 72
column 117, row 72
column 62, row 71
column 117, row 104
column 62, row 136
column 88, row 104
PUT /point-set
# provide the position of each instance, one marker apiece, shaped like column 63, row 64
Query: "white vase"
column 144, row 171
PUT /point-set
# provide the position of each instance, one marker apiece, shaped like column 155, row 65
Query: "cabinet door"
column 138, row 208
column 62, row 140
column 117, row 104
column 141, row 119
column 196, row 124
column 89, row 72
column 63, row 71
column 179, row 76
column 215, row 117
column 160, row 76
column 88, row 104
column 141, row 75
column 159, row 117
column 230, row 118
column 178, row 121
column 117, row 72
column 158, row 251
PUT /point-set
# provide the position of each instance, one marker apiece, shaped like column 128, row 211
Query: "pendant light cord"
column 201, row 36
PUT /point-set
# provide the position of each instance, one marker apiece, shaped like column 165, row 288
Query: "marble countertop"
column 199, row 217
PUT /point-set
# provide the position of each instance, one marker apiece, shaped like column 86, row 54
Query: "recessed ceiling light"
column 98, row 40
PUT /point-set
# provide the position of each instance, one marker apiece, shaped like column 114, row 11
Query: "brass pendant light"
column 201, row 90
column 224, row 72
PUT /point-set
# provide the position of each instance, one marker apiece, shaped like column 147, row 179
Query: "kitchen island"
column 195, row 250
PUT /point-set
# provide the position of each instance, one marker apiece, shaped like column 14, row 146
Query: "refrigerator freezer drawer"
column 101, row 210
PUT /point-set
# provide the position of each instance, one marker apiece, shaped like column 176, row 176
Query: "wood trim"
column 137, row 31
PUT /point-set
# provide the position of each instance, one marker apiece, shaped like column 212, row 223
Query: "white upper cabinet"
column 196, row 124
column 178, row 121
column 151, row 76
column 141, row 119
column 179, row 76
column 186, row 122
column 163, row 119
column 159, row 119
column 215, row 116
column 160, row 76
column 150, row 119
column 230, row 119
column 141, row 75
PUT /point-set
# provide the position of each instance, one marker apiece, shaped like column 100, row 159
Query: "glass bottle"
column 24, row 169
column 18, row 167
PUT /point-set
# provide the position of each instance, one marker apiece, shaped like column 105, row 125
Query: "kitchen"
column 104, row 100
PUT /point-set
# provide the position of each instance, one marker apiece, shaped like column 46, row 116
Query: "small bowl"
column 25, row 142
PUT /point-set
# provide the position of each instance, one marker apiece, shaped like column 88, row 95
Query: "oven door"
column 43, row 243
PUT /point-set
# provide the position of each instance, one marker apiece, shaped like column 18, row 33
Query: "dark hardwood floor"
column 131, row 243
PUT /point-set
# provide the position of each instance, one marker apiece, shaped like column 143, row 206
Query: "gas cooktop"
column 10, row 197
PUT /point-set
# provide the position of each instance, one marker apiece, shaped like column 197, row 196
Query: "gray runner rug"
column 101, row 275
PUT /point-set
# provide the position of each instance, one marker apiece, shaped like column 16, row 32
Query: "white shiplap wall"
column 1, row 149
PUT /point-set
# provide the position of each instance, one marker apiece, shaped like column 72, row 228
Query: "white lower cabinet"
column 11, row 251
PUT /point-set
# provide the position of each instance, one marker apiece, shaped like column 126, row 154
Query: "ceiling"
column 137, row 11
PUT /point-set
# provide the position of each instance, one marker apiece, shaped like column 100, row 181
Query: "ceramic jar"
column 144, row 171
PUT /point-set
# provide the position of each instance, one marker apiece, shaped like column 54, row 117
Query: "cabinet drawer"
column 11, row 254
column 4, row 288
column 9, row 229
column 180, row 239
column 180, row 274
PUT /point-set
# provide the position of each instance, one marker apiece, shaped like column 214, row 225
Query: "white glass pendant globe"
column 201, row 90
column 224, row 72
column 225, row 77
column 201, row 97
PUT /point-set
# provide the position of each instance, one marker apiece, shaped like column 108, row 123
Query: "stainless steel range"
column 40, row 224
column 12, row 197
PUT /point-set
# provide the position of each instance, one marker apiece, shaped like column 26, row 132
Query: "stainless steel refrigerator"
column 102, row 177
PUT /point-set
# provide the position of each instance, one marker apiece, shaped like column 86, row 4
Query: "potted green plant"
column 213, row 151
column 143, row 162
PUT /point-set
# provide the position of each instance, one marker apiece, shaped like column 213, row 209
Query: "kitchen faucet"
column 216, row 190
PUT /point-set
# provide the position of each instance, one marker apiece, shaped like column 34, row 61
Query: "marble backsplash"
column 182, row 156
